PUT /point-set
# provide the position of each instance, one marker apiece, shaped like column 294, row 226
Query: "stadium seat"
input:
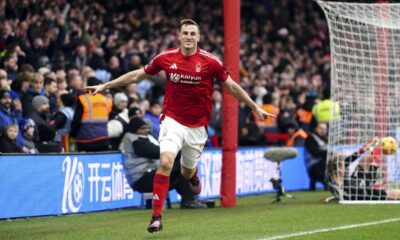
column 278, row 139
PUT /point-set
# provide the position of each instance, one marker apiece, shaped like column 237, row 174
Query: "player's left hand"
column 261, row 114
column 369, row 147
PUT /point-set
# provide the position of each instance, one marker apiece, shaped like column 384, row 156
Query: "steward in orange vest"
column 89, row 125
column 268, row 124
column 297, row 136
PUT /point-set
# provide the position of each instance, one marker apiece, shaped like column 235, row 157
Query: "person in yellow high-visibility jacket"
column 327, row 109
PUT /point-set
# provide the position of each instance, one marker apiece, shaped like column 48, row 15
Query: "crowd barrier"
column 39, row 185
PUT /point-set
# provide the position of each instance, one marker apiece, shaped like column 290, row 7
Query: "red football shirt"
column 189, row 84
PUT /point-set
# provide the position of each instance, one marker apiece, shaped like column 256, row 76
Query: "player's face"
column 189, row 36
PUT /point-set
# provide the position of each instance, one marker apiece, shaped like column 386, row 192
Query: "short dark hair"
column 154, row 102
column 188, row 22
column 48, row 81
column 67, row 99
column 26, row 68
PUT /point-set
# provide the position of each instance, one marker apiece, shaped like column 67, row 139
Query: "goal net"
column 365, row 80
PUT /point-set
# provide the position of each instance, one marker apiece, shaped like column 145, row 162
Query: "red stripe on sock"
column 160, row 190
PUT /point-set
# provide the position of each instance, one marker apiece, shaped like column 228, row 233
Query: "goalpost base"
column 369, row 202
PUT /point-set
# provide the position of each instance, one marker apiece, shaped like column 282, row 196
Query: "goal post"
column 365, row 81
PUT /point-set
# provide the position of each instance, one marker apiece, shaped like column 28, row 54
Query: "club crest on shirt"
column 198, row 67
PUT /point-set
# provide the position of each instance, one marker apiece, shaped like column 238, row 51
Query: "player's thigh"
column 171, row 136
column 190, row 155
column 193, row 147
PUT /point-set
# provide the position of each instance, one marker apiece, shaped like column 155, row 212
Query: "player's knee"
column 187, row 173
column 166, row 162
column 166, row 165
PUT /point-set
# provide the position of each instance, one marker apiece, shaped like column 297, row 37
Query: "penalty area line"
column 298, row 234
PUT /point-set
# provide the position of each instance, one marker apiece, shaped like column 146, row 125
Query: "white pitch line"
column 331, row 229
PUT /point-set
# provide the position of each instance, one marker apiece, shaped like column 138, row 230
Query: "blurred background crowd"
column 51, row 50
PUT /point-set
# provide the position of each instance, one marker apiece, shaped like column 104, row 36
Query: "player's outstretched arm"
column 240, row 94
column 128, row 78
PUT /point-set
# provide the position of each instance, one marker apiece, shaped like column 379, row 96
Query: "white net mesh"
column 365, row 80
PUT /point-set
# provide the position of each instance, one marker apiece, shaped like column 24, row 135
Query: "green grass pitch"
column 253, row 218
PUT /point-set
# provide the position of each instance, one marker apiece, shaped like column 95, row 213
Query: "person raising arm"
column 190, row 73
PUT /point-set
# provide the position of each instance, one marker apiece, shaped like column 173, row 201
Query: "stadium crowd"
column 51, row 50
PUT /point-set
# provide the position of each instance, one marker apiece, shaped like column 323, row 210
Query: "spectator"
column 36, row 55
column 61, row 84
column 216, row 113
column 79, row 58
column 11, row 66
column 89, row 125
column 45, row 129
column 63, row 118
column 50, row 90
column 75, row 84
column 8, row 142
column 26, row 68
column 270, row 104
column 326, row 110
column 7, row 35
column 120, row 104
column 27, row 128
column 316, row 152
column 153, row 116
column 141, row 152
column 114, row 67
column 5, row 84
column 132, row 92
column 21, row 84
column 117, row 127
column 287, row 112
column 35, row 89
column 297, row 136
column 87, row 73
column 303, row 112
column 250, row 135
column 7, row 115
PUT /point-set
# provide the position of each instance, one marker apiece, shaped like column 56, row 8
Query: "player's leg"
column 160, row 189
column 191, row 152
column 189, row 169
column 181, row 185
column 170, row 144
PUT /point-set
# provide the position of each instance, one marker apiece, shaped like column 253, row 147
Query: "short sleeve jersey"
column 189, row 84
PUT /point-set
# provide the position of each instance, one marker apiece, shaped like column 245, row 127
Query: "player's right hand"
column 262, row 115
column 369, row 147
column 95, row 89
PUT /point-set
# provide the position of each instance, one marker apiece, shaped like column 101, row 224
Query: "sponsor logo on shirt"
column 184, row 78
